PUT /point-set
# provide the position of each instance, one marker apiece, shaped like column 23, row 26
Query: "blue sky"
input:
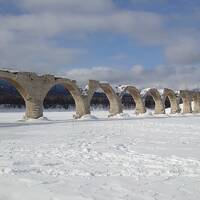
column 151, row 43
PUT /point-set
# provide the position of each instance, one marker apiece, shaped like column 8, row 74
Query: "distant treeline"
column 58, row 96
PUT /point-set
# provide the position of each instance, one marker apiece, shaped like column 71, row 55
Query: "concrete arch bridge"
column 33, row 88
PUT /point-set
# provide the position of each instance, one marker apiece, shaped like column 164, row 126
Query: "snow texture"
column 144, row 92
column 121, row 88
column 126, row 157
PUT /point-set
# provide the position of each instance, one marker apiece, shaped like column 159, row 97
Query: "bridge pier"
column 82, row 107
column 186, row 97
column 196, row 101
column 34, row 109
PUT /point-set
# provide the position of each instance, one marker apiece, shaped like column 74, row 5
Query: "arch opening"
column 59, row 97
column 149, row 102
column 157, row 102
column 99, row 103
column 74, row 95
column 136, row 98
column 170, row 101
column 128, row 101
column 115, row 106
column 11, row 94
column 167, row 103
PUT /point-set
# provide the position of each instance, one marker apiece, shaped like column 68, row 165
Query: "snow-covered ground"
column 127, row 157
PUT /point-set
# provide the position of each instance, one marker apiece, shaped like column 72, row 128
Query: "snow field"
column 124, row 157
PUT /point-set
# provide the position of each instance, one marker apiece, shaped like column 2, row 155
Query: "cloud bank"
column 31, row 39
column 175, row 77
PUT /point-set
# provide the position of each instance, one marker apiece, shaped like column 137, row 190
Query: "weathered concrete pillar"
column 36, row 87
column 196, row 101
column 173, row 100
column 159, row 107
column 32, row 88
column 186, row 97
column 115, row 102
column 134, row 92
column 34, row 108
column 114, row 99
column 82, row 107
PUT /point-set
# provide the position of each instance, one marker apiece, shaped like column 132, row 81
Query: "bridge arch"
column 22, row 91
column 19, row 87
column 30, row 86
column 114, row 100
column 81, row 105
column 154, row 93
column 134, row 92
column 173, row 100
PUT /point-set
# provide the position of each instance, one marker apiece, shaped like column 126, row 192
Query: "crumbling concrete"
column 186, row 97
column 33, row 88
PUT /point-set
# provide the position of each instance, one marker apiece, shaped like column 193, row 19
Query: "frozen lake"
column 127, row 157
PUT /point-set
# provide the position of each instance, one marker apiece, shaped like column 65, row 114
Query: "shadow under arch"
column 22, row 92
column 80, row 100
column 99, row 101
column 59, row 97
column 153, row 92
column 127, row 101
column 134, row 92
column 114, row 100
column 170, row 94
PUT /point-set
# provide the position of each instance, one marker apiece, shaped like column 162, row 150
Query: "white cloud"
column 37, row 55
column 172, row 76
column 185, row 51
column 118, row 57
column 28, row 40
column 142, row 25
column 66, row 5
column 5, row 37
column 137, row 70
